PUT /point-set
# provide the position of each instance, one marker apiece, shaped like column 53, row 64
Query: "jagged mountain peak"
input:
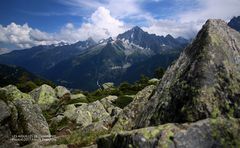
column 90, row 39
column 107, row 40
column 135, row 32
column 85, row 44
column 136, row 29
column 156, row 43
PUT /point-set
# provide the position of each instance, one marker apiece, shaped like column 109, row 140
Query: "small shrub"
column 123, row 101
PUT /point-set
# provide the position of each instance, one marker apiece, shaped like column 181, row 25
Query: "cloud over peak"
column 100, row 25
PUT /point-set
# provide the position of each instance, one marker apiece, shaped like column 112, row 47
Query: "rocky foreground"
column 196, row 104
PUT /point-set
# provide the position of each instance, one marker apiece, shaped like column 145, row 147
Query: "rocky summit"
column 204, row 81
column 195, row 104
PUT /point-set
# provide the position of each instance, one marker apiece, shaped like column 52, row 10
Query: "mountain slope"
column 203, row 82
column 235, row 23
column 40, row 58
column 117, row 60
column 86, row 63
column 148, row 66
column 20, row 77
column 102, row 63
column 4, row 51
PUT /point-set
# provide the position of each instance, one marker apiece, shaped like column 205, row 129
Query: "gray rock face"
column 45, row 96
column 204, row 81
column 96, row 109
column 108, row 85
column 70, row 111
column 31, row 118
column 127, row 118
column 62, row 92
column 219, row 132
column 107, row 103
column 4, row 110
column 5, row 132
column 20, row 115
column 98, row 115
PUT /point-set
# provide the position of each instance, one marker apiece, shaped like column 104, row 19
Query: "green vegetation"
column 24, row 80
column 122, row 91
column 159, row 72
column 123, row 101
column 59, row 125
column 81, row 138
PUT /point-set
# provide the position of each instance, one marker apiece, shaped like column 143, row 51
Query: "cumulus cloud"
column 100, row 25
column 107, row 20
column 23, row 36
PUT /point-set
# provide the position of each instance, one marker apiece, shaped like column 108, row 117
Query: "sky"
column 27, row 23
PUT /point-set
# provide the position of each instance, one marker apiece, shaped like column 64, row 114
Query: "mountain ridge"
column 24, row 80
column 48, row 61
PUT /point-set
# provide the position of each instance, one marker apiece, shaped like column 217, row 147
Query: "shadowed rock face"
column 204, row 81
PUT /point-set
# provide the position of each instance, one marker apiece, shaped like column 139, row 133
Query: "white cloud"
column 173, row 27
column 23, row 36
column 124, row 8
column 107, row 18
column 100, row 25
column 188, row 23
column 220, row 9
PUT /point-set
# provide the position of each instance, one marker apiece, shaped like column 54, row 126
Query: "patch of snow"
column 132, row 36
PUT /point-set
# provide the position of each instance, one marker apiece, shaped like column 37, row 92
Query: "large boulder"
column 83, row 118
column 5, row 129
column 96, row 109
column 108, row 85
column 203, row 82
column 80, row 98
column 220, row 132
column 127, row 118
column 45, row 96
column 69, row 111
column 4, row 110
column 108, row 102
column 20, row 115
column 62, row 92
column 11, row 93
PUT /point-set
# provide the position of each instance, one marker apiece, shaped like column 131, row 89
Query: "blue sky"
column 26, row 23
